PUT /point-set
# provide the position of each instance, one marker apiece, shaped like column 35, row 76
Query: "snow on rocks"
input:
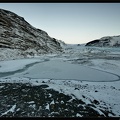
column 12, row 109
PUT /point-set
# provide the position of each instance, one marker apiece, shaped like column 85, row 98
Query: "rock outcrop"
column 109, row 41
column 16, row 34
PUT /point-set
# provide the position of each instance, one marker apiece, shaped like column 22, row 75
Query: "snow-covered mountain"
column 18, row 38
column 108, row 41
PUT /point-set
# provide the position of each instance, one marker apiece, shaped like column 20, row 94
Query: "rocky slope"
column 18, row 38
column 109, row 41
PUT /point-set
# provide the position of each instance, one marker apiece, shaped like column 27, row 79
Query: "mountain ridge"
column 107, row 41
column 17, row 34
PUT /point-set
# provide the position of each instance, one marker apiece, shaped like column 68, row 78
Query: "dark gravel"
column 31, row 101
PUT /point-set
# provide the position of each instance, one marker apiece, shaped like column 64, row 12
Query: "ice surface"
column 13, row 65
column 57, row 69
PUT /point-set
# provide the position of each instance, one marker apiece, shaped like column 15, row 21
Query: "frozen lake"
column 60, row 70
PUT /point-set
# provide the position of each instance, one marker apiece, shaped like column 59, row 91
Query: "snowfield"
column 13, row 65
column 89, row 75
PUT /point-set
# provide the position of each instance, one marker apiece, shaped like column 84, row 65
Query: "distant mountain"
column 109, row 41
column 22, row 39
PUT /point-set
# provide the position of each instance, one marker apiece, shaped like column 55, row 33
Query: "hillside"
column 19, row 39
column 109, row 41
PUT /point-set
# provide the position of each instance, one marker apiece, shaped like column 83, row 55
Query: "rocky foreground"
column 25, row 100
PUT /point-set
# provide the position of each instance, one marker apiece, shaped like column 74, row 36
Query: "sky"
column 73, row 23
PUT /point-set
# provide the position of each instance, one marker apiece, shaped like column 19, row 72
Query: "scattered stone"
column 96, row 91
column 76, row 88
column 96, row 102
column 44, row 86
column 83, row 96
column 43, row 82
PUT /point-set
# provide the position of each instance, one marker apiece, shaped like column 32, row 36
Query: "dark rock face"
column 110, row 41
column 94, row 42
column 16, row 33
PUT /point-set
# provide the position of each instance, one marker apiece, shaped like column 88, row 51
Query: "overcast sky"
column 74, row 23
